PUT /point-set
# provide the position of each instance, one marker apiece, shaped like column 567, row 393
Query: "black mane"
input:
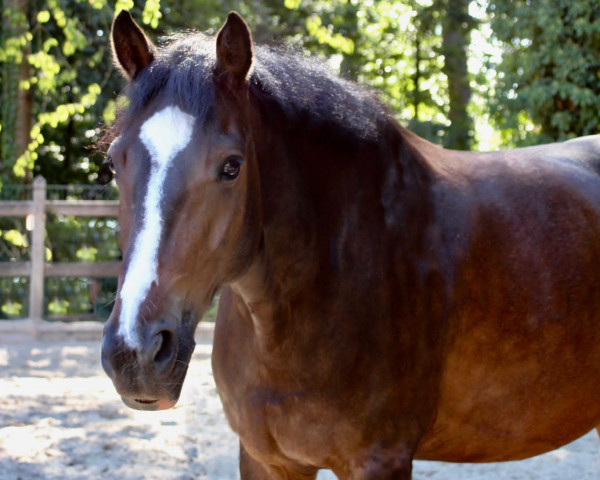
column 302, row 89
column 309, row 94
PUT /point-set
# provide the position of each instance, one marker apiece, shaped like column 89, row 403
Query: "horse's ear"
column 234, row 51
column 132, row 49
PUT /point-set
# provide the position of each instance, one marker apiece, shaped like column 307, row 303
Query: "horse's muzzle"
column 150, row 376
column 141, row 404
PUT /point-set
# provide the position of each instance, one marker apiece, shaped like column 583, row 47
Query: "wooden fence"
column 37, row 269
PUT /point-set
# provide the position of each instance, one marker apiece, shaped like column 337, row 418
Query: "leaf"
column 12, row 309
column 15, row 237
column 292, row 4
column 151, row 14
column 323, row 35
column 49, row 44
column 109, row 114
column 97, row 4
column 87, row 254
column 123, row 5
column 58, row 307
column 43, row 16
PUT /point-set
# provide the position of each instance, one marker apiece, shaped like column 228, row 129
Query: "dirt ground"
column 60, row 418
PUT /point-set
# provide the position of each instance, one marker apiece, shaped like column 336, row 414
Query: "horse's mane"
column 303, row 89
column 309, row 94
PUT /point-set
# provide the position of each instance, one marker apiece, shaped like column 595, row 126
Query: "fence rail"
column 37, row 268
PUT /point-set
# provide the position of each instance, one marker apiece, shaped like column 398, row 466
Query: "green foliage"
column 392, row 46
column 13, row 40
column 123, row 5
column 548, row 84
column 151, row 14
column 79, row 297
column 14, row 246
column 13, row 293
column 56, row 56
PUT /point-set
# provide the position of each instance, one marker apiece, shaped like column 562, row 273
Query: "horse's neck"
column 316, row 213
column 287, row 254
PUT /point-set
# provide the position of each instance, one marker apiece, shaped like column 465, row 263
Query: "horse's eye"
column 110, row 164
column 107, row 172
column 231, row 168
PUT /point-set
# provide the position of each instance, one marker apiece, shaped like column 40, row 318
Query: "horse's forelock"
column 181, row 74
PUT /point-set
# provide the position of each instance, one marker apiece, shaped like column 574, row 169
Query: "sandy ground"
column 61, row 419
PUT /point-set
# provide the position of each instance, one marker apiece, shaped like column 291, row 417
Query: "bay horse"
column 381, row 299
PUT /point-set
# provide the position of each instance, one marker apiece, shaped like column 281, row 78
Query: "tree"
column 392, row 46
column 456, row 28
column 548, row 85
column 56, row 61
column 15, row 116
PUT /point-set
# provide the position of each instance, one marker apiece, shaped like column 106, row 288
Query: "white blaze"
column 164, row 134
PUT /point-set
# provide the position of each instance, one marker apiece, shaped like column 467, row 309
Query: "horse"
column 382, row 299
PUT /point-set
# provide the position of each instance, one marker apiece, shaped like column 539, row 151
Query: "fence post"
column 36, row 278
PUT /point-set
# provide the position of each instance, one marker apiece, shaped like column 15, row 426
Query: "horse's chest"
column 276, row 418
column 314, row 397
column 295, row 425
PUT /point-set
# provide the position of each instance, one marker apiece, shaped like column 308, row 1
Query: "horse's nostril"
column 165, row 347
column 158, row 352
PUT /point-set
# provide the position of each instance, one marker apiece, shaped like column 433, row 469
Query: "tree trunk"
column 417, row 78
column 456, row 29
column 16, row 110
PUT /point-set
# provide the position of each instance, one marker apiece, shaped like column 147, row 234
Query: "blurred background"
column 465, row 74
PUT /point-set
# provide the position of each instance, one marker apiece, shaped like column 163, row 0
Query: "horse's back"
column 584, row 151
column 576, row 161
column 523, row 231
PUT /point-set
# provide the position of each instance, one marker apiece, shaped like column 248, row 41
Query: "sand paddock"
column 61, row 419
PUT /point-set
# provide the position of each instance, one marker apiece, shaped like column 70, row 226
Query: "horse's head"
column 189, row 203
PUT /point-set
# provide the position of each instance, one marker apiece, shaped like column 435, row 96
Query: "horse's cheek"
column 219, row 230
